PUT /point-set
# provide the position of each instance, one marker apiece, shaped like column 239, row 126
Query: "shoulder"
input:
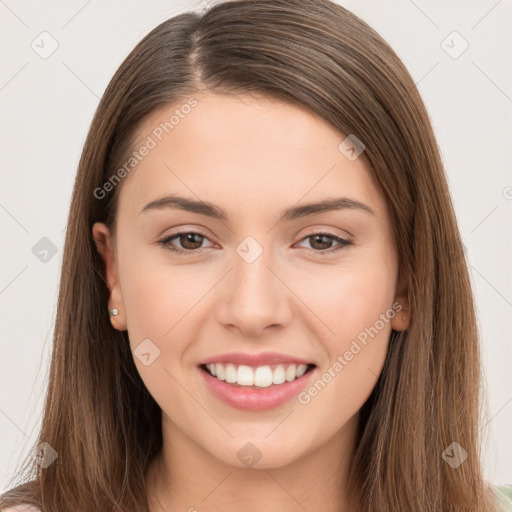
column 504, row 494
column 21, row 508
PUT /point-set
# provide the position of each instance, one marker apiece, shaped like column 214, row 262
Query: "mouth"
column 257, row 377
column 259, row 388
column 256, row 381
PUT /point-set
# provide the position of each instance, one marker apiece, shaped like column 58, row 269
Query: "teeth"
column 245, row 376
column 231, row 373
column 291, row 373
column 301, row 370
column 278, row 376
column 219, row 370
column 261, row 377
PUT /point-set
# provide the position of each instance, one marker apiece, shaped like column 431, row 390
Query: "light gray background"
column 47, row 105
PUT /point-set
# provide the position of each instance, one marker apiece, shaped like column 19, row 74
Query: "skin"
column 254, row 157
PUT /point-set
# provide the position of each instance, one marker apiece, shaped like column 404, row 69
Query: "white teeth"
column 278, row 376
column 231, row 373
column 219, row 369
column 261, row 377
column 301, row 370
column 291, row 373
column 245, row 376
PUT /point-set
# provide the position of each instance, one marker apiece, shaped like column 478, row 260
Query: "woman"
column 264, row 300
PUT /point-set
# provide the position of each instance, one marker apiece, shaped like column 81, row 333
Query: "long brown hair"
column 98, row 415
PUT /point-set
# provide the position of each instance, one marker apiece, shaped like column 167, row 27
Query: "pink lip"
column 261, row 359
column 253, row 399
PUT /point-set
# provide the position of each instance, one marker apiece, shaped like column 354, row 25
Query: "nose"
column 255, row 297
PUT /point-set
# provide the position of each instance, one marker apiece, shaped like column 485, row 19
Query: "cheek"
column 360, row 327
column 355, row 357
column 156, row 295
column 357, row 308
column 158, row 302
column 349, row 298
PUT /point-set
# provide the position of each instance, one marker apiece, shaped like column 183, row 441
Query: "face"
column 253, row 287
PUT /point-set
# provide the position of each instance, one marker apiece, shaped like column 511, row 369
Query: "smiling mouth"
column 257, row 377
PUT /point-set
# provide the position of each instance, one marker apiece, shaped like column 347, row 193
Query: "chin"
column 258, row 452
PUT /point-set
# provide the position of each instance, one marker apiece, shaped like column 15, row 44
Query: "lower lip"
column 250, row 399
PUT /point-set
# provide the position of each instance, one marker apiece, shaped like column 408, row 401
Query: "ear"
column 104, row 245
column 401, row 320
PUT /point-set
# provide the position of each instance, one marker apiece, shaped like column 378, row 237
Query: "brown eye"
column 321, row 243
column 185, row 242
column 190, row 241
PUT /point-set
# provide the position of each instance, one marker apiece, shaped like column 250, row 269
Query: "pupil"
column 189, row 238
column 319, row 238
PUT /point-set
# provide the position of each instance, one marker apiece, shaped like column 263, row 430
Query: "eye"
column 324, row 241
column 190, row 240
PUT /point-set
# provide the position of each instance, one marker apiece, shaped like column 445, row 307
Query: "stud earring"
column 112, row 313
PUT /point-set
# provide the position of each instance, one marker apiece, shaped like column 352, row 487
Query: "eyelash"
column 165, row 241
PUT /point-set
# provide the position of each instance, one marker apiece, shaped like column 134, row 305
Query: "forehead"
column 244, row 152
column 239, row 123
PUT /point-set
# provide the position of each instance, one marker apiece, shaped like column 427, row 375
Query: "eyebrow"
column 296, row 212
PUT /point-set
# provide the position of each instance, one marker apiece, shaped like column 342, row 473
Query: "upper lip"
column 261, row 359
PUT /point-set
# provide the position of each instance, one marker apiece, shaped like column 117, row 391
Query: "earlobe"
column 104, row 245
column 401, row 320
